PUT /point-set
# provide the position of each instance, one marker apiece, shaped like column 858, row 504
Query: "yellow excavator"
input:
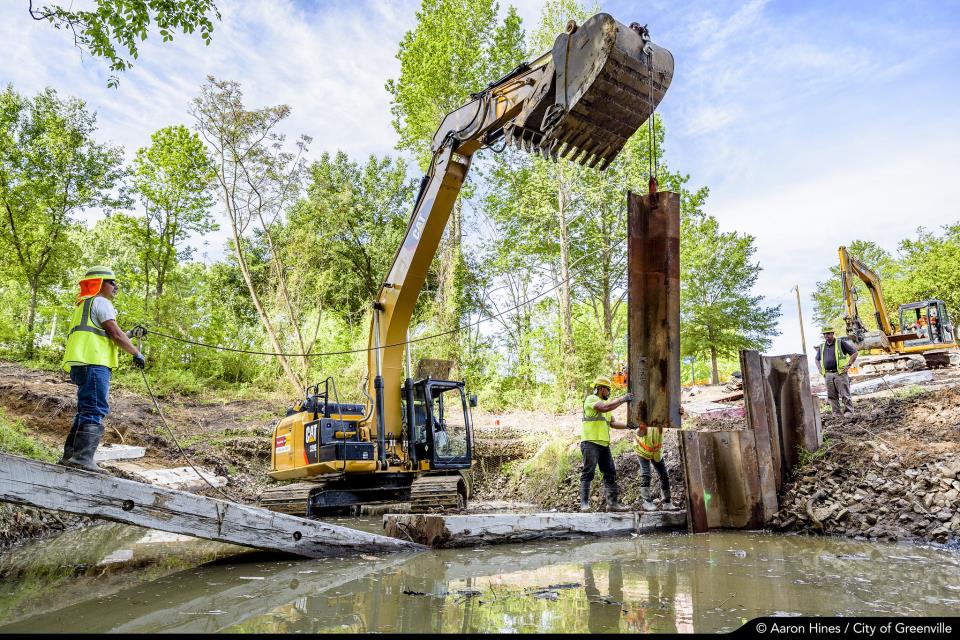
column 412, row 440
column 926, row 338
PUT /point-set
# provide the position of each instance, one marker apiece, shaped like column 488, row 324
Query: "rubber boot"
column 613, row 504
column 646, row 496
column 68, row 445
column 85, row 444
column 584, row 496
column 667, row 500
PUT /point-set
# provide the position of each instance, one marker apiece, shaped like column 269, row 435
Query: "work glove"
column 139, row 361
column 137, row 332
column 628, row 397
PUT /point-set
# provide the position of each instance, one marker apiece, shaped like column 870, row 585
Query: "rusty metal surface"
column 797, row 415
column 653, row 309
column 721, row 480
column 763, row 424
column 693, row 482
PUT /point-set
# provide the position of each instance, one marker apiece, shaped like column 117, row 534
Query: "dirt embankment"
column 232, row 438
column 892, row 472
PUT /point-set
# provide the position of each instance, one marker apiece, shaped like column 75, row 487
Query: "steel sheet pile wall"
column 732, row 477
column 653, row 303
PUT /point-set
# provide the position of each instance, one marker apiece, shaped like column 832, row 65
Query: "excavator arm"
column 582, row 101
column 886, row 339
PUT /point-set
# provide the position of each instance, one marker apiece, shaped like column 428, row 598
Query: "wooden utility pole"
column 803, row 339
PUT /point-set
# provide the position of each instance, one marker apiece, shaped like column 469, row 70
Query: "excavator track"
column 288, row 498
column 437, row 493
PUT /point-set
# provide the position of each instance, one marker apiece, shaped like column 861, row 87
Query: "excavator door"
column 443, row 433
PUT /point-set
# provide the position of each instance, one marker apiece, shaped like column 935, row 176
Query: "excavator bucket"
column 605, row 79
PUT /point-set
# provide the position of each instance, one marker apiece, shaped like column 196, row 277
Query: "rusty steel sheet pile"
column 653, row 303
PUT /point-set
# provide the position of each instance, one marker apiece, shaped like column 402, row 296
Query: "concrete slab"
column 707, row 409
column 455, row 530
column 184, row 478
column 886, row 382
column 118, row 452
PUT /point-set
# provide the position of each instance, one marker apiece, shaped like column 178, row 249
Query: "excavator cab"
column 442, row 434
column 929, row 320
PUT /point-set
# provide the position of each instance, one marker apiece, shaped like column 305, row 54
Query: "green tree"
column 117, row 25
column 929, row 267
column 717, row 313
column 828, row 305
column 50, row 169
column 343, row 235
column 456, row 48
column 173, row 178
column 256, row 179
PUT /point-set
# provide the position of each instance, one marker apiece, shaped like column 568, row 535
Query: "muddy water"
column 115, row 578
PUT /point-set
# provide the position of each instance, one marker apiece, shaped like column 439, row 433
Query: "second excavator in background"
column 926, row 337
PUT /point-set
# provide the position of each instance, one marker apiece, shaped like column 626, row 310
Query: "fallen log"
column 50, row 486
column 438, row 530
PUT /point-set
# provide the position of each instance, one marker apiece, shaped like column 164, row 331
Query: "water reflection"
column 677, row 583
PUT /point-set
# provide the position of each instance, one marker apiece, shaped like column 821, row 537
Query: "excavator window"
column 449, row 422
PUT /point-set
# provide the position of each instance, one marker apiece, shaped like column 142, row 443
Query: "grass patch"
column 16, row 439
column 808, row 457
column 908, row 391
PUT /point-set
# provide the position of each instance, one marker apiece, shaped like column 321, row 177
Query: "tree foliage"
column 718, row 314
column 117, row 26
column 51, row 168
column 173, row 179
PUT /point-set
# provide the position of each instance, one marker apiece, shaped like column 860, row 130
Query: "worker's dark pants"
column 661, row 468
column 597, row 454
column 93, row 385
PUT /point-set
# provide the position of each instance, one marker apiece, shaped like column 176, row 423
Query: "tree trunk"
column 282, row 280
column 448, row 292
column 566, row 313
column 32, row 316
column 714, row 371
column 608, row 324
column 245, row 270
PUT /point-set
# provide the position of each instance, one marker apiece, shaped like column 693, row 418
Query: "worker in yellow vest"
column 648, row 443
column 834, row 357
column 595, row 443
column 91, row 355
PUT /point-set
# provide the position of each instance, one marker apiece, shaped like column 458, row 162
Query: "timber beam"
column 50, row 486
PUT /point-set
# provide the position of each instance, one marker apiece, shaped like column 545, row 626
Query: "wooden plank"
column 438, row 530
column 49, row 486
column 653, row 309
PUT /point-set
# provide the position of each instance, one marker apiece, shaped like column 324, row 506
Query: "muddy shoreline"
column 892, row 473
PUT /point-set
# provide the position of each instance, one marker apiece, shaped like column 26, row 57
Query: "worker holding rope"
column 90, row 357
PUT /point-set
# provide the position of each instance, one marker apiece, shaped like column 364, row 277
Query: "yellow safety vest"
column 86, row 344
column 596, row 424
column 650, row 446
column 838, row 355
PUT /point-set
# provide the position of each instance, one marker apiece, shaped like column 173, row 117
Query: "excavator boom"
column 581, row 101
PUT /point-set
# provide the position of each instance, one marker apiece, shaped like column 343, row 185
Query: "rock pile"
column 886, row 502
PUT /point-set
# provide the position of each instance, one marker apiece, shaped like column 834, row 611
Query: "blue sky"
column 813, row 123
